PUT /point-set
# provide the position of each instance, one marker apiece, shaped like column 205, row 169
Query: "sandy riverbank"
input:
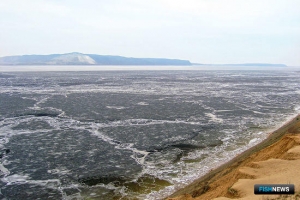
column 276, row 160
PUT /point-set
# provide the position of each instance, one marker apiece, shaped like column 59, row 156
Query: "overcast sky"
column 202, row 31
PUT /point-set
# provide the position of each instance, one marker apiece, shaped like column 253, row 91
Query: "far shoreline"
column 74, row 68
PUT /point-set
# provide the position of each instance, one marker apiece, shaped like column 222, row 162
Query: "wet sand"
column 276, row 160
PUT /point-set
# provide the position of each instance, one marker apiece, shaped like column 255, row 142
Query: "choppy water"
column 131, row 134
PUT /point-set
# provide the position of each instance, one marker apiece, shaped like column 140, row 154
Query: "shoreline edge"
column 203, row 185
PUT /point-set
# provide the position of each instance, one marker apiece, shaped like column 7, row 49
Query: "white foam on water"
column 223, row 110
column 42, row 100
column 25, row 179
column 116, row 107
column 15, row 178
column 4, row 171
column 214, row 118
column 61, row 171
column 257, row 112
column 139, row 160
column 297, row 108
column 225, row 139
column 254, row 140
column 145, row 122
column 128, row 146
column 143, row 103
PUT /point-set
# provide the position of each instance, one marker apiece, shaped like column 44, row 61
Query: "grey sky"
column 203, row 31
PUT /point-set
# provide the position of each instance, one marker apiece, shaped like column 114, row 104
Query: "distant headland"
column 76, row 58
column 86, row 59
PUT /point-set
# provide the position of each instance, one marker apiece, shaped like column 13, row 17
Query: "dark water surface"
column 131, row 134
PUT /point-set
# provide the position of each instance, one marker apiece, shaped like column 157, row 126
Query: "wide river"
column 131, row 134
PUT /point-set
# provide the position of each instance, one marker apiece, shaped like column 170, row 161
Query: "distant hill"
column 86, row 59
